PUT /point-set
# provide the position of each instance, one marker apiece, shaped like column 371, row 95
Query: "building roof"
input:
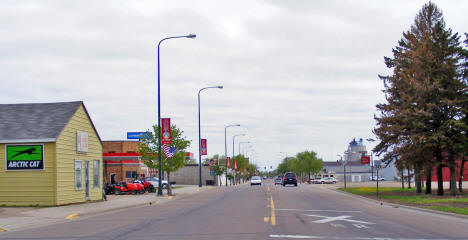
column 36, row 122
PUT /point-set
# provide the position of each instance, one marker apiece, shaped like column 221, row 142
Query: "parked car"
column 255, row 180
column 374, row 178
column 289, row 178
column 328, row 180
column 317, row 181
column 155, row 181
column 279, row 180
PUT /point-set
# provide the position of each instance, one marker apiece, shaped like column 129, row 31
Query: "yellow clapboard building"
column 50, row 154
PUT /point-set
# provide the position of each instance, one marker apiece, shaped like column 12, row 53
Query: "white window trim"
column 74, row 171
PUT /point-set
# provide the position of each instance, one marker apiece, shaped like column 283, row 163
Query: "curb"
column 137, row 205
column 396, row 205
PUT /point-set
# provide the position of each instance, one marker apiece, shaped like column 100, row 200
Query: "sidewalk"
column 21, row 218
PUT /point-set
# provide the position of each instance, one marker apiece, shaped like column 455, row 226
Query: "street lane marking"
column 332, row 219
column 360, row 226
column 272, row 214
column 3, row 229
column 315, row 210
column 338, row 225
column 72, row 216
column 266, row 219
column 170, row 197
column 348, row 238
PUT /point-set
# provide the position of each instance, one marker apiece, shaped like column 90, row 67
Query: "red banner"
column 365, row 160
column 228, row 162
column 235, row 165
column 166, row 131
column 203, row 147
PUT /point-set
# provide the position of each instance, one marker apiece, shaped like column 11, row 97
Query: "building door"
column 87, row 179
column 112, row 178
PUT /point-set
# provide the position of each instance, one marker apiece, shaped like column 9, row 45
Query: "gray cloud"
column 296, row 74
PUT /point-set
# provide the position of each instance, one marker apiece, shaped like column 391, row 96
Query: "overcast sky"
column 297, row 75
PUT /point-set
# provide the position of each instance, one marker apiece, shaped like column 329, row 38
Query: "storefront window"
column 130, row 174
column 96, row 170
column 78, row 174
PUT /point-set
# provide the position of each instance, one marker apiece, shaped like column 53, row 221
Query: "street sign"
column 365, row 160
column 137, row 135
column 378, row 164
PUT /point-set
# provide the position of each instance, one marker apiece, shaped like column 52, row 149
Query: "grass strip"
column 456, row 210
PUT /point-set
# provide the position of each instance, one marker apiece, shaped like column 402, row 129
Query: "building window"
column 130, row 174
column 96, row 171
column 78, row 174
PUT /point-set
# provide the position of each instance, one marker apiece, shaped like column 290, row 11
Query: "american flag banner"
column 169, row 151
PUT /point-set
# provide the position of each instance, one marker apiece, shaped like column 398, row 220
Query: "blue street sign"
column 136, row 135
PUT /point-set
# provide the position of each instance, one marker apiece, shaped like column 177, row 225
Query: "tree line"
column 423, row 123
column 303, row 164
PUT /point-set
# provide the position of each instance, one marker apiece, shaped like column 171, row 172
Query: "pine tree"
column 424, row 98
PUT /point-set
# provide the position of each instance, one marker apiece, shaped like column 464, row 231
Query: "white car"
column 155, row 181
column 374, row 178
column 256, row 180
column 325, row 180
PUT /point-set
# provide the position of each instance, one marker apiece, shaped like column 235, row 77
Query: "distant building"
column 355, row 171
column 122, row 163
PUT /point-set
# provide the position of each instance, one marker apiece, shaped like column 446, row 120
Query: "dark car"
column 290, row 178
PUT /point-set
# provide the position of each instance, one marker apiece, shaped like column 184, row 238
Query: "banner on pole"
column 235, row 164
column 166, row 131
column 203, row 147
column 228, row 162
column 365, row 160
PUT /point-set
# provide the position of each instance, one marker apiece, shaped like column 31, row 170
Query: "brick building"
column 122, row 162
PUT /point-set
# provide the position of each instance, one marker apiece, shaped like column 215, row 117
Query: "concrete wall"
column 189, row 175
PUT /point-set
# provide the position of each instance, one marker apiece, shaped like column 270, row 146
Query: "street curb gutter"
column 396, row 205
column 158, row 200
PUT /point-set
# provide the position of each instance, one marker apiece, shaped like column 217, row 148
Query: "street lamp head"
column 191, row 36
column 370, row 139
column 220, row 87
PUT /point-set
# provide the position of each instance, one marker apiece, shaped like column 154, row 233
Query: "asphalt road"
column 258, row 212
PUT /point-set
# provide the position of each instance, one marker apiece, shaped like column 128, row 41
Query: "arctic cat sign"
column 24, row 157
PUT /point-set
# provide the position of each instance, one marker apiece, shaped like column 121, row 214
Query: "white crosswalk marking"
column 338, row 225
column 332, row 219
column 360, row 226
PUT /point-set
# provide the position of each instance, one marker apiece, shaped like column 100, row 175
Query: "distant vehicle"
column 155, row 181
column 374, row 178
column 317, row 181
column 256, row 180
column 328, row 180
column 279, row 180
column 290, row 178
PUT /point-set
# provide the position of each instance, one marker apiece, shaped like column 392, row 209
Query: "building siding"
column 28, row 188
column 66, row 153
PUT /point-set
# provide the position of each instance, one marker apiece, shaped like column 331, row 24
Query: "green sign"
column 24, row 157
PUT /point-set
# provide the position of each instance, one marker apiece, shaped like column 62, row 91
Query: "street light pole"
column 159, row 111
column 199, row 136
column 225, row 145
column 240, row 146
column 233, row 145
column 372, row 159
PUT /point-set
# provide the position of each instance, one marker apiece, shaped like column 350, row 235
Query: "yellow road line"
column 3, row 229
column 170, row 197
column 72, row 216
column 272, row 213
column 266, row 219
